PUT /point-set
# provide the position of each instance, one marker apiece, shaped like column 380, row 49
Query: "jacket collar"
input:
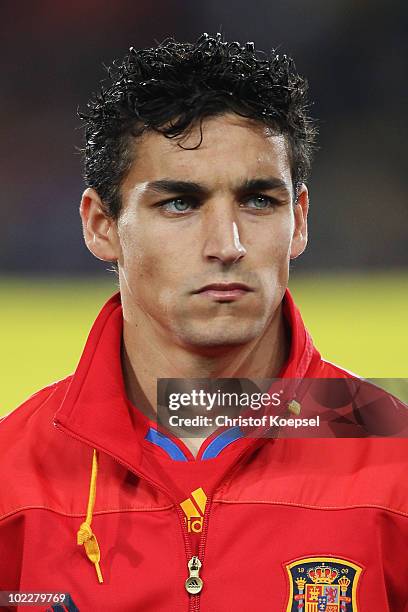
column 95, row 408
column 302, row 350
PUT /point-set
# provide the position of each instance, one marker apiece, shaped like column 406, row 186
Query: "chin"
column 217, row 338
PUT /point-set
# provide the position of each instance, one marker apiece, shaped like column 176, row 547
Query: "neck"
column 148, row 355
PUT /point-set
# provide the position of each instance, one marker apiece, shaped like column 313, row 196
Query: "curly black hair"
column 174, row 86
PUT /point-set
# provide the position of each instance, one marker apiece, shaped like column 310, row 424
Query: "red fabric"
column 281, row 501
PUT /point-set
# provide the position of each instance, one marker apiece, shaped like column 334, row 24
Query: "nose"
column 223, row 242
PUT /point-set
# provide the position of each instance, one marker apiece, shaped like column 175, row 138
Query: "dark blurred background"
column 354, row 53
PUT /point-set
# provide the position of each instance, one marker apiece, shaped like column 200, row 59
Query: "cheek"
column 137, row 251
column 271, row 246
column 143, row 268
column 271, row 258
column 150, row 269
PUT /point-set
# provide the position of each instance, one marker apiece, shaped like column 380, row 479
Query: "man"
column 196, row 162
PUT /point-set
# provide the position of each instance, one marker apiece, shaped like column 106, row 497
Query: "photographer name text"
column 240, row 421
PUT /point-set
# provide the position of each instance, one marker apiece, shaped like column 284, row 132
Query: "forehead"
column 224, row 148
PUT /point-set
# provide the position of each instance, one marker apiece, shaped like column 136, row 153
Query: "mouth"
column 224, row 292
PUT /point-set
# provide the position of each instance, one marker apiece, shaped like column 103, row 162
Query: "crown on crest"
column 322, row 574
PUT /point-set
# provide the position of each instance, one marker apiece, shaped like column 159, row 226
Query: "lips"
column 224, row 292
column 225, row 287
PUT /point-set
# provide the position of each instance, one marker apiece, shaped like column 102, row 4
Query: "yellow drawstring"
column 85, row 534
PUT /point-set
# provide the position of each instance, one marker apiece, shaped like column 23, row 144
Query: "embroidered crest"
column 322, row 584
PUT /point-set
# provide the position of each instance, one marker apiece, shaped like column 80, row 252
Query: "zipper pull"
column 194, row 584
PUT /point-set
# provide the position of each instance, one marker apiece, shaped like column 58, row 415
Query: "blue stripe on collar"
column 170, row 447
column 215, row 447
column 225, row 438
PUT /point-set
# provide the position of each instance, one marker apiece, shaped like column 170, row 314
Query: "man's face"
column 221, row 214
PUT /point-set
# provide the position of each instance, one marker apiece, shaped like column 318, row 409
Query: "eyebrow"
column 264, row 184
column 169, row 186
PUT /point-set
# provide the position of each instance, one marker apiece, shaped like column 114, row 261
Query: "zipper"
column 194, row 583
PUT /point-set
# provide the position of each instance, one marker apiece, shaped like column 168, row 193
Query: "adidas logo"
column 194, row 508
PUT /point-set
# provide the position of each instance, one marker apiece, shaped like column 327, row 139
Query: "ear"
column 100, row 231
column 301, row 208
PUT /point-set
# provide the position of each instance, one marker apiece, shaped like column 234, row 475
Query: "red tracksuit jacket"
column 292, row 525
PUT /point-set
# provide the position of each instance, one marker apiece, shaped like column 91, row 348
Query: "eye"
column 259, row 202
column 178, row 205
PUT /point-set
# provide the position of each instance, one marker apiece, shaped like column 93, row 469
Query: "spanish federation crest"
column 322, row 584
